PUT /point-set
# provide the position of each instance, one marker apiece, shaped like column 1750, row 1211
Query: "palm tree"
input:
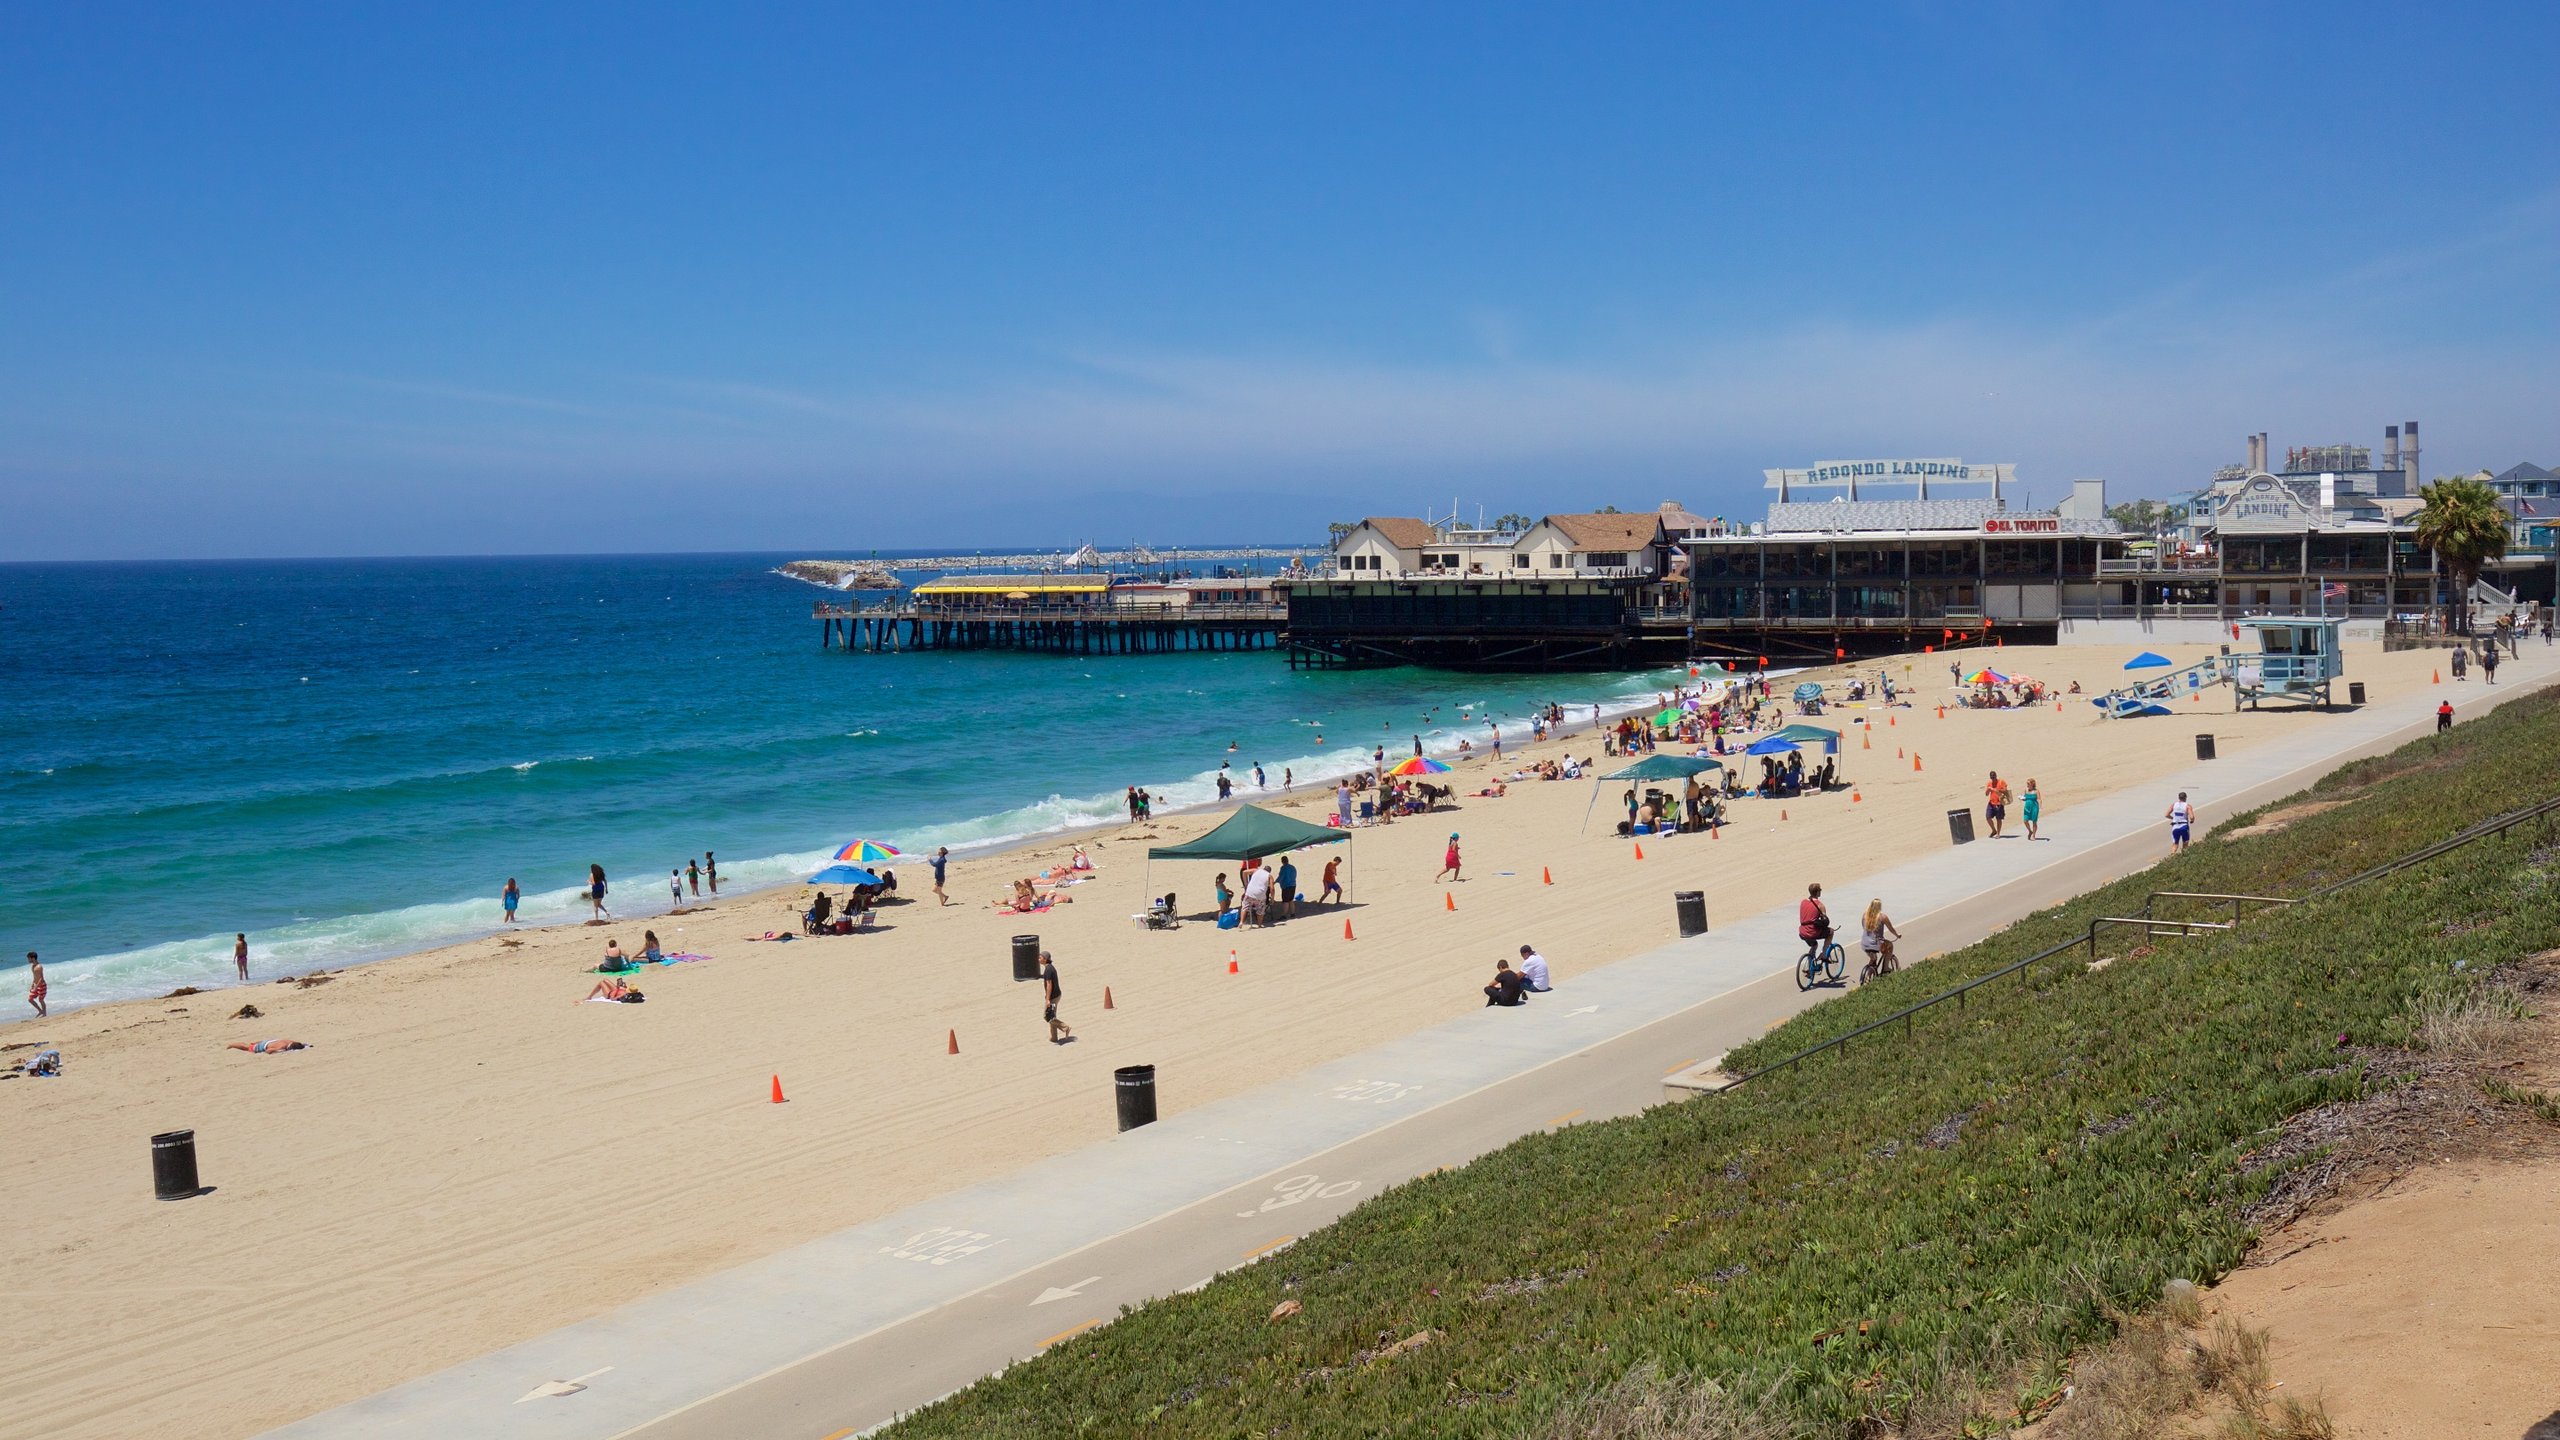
column 2463, row 524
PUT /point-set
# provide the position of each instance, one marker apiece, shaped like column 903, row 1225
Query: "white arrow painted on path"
column 1585, row 1010
column 1054, row 1293
column 552, row 1389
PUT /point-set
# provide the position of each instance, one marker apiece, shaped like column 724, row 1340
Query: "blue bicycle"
column 1823, row 963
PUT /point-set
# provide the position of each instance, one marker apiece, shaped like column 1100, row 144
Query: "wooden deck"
column 1053, row 627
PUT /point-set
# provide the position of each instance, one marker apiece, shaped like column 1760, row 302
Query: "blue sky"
column 326, row 280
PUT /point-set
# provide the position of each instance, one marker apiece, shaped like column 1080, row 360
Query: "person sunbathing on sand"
column 610, row 990
column 268, row 1047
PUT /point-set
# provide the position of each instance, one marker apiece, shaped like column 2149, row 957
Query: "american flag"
column 2332, row 587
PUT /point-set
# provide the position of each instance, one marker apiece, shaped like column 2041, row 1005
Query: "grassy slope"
column 1974, row 1193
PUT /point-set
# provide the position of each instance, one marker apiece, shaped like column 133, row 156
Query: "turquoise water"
column 347, row 759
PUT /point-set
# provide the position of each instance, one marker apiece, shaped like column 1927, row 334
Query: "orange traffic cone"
column 1782, row 814
column 1890, row 722
column 2435, row 677
column 1915, row 759
column 1639, row 852
column 1716, row 831
column 1231, row 964
column 777, row 1089
column 1855, row 797
column 1449, row 898
column 1546, row 876
column 1866, row 741
column 1106, row 999
column 955, row 1042
column 1897, row 752
column 1942, row 712
column 1346, row 927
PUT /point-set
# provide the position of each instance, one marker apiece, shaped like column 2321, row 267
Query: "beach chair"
column 1159, row 915
column 1368, row 812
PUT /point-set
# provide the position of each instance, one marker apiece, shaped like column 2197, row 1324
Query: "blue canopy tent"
column 1772, row 745
column 2147, row 661
column 1829, row 740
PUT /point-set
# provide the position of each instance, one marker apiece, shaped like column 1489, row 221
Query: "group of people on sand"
column 1034, row 893
column 696, row 872
column 1269, row 893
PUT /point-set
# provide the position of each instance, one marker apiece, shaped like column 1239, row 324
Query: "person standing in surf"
column 711, row 871
column 595, row 894
column 240, row 955
column 508, row 897
column 35, row 984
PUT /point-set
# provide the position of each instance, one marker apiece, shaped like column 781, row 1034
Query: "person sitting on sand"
column 1508, row 987
column 614, row 959
column 820, row 907
column 268, row 1047
column 1080, row 860
column 649, row 951
column 619, row 990
column 1025, row 898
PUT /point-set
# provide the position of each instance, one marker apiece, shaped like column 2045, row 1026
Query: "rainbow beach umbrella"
column 865, row 852
column 1986, row 676
column 1418, row 765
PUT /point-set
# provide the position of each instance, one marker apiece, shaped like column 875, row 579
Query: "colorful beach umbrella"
column 1418, row 765
column 865, row 852
column 844, row 875
column 1986, row 676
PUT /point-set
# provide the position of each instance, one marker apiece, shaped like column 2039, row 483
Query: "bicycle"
column 1823, row 963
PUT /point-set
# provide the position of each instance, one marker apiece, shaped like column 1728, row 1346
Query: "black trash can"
column 1692, row 905
column 173, row 1165
column 1134, row 1086
column 1960, row 826
column 2355, row 692
column 2204, row 747
column 1026, row 957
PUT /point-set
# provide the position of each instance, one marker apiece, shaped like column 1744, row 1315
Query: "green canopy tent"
column 1811, row 734
column 1651, row 767
column 1252, row 833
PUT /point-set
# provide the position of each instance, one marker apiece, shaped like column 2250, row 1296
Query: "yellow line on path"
column 1267, row 1249
column 1683, row 1065
column 1569, row 1114
column 839, row 1435
column 1071, row 1330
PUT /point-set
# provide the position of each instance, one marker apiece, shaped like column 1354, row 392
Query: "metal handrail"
column 2495, row 825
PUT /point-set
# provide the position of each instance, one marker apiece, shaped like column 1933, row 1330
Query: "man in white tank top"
column 2182, row 819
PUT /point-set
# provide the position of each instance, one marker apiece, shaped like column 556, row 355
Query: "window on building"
column 1519, row 562
column 1609, row 557
column 1555, row 561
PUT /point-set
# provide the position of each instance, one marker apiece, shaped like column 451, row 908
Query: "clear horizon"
column 671, row 279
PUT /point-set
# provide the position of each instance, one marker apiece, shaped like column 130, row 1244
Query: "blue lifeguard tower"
column 2296, row 659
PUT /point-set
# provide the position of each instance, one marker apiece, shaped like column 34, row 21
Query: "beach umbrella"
column 2146, row 661
column 1986, row 676
column 844, row 875
column 1773, row 745
column 866, row 852
column 1829, row 740
column 1809, row 690
column 1670, row 717
column 1418, row 765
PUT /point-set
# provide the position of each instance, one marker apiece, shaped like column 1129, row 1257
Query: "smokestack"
column 2257, row 453
column 2390, row 447
column 2409, row 472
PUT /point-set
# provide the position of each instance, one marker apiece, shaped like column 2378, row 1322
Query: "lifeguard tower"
column 2297, row 657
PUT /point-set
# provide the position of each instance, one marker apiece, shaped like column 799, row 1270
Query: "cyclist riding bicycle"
column 1813, row 921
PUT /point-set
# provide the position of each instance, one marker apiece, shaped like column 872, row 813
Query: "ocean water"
column 348, row 759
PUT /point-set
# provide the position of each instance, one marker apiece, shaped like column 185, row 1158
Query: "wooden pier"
column 1051, row 628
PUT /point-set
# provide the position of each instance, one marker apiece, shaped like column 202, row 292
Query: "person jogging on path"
column 2182, row 820
column 1060, row 1032
column 1449, row 861
column 941, row 861
column 2444, row 717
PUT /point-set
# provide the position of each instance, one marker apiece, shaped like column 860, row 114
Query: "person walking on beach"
column 240, row 956
column 675, row 887
column 693, row 875
column 1133, row 802
column 1060, row 1032
column 1332, row 883
column 1995, row 803
column 508, row 897
column 595, row 894
column 2489, row 663
column 2182, row 820
column 35, row 984
column 1288, row 778
column 1497, row 738
column 711, row 871
column 2461, row 662
column 940, row 862
column 1287, row 880
column 1449, row 861
column 2030, row 807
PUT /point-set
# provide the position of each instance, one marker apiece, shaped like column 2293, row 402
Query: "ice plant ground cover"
column 1850, row 1242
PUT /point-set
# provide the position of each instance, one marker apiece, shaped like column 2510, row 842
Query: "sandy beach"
column 470, row 1156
